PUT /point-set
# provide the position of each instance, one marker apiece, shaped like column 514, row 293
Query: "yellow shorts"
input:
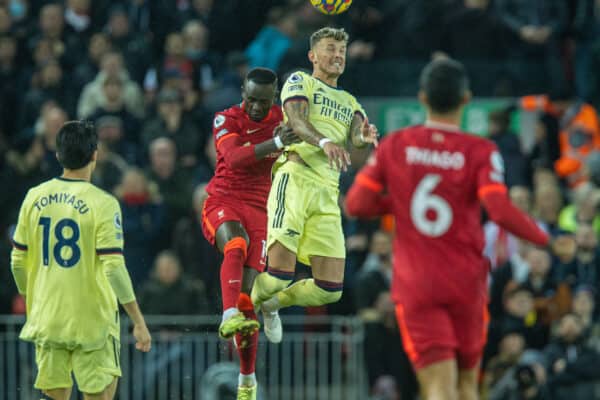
column 93, row 370
column 304, row 215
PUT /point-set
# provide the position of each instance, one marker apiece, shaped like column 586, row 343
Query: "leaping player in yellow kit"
column 67, row 261
column 304, row 220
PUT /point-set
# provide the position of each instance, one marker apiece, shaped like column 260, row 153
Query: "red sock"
column 247, row 345
column 232, row 269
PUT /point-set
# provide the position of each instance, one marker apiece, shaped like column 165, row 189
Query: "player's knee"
column 237, row 243
column 328, row 292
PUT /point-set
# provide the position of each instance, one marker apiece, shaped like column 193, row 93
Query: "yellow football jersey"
column 66, row 229
column 331, row 111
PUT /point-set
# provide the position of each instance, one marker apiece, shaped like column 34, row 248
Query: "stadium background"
column 151, row 74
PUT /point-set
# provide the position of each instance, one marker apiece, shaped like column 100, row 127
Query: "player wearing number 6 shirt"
column 434, row 178
column 67, row 261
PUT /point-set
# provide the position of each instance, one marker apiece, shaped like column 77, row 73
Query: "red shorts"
column 434, row 333
column 254, row 220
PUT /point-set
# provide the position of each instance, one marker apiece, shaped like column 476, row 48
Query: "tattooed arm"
column 297, row 113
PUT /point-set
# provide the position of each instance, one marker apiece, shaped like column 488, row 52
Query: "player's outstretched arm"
column 501, row 210
column 365, row 199
column 119, row 280
column 140, row 330
column 362, row 133
column 297, row 113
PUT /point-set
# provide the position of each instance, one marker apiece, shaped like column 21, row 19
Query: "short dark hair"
column 445, row 82
column 262, row 76
column 75, row 144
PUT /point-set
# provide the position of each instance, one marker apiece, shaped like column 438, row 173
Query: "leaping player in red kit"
column 248, row 138
column 434, row 179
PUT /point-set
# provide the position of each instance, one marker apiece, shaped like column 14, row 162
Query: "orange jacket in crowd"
column 579, row 135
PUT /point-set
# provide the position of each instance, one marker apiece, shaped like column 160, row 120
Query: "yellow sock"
column 267, row 284
column 308, row 292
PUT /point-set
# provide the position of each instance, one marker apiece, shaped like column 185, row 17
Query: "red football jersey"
column 434, row 175
column 233, row 129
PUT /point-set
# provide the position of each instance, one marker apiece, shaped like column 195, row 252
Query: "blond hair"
column 328, row 32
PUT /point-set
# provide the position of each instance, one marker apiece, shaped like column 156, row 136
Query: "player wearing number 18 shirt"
column 435, row 178
column 67, row 261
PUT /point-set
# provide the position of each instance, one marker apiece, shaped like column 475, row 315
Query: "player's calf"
column 269, row 283
column 306, row 293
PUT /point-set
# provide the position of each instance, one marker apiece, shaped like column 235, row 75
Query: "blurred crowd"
column 151, row 74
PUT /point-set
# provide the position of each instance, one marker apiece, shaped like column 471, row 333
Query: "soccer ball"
column 331, row 7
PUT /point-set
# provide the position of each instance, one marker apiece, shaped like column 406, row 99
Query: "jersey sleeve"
column 366, row 197
column 109, row 248
column 489, row 170
column 229, row 142
column 296, row 87
column 19, row 254
column 371, row 175
column 109, row 236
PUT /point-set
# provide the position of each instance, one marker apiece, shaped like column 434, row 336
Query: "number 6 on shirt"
column 423, row 200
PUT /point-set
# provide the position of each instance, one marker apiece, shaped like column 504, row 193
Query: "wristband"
column 324, row 141
column 278, row 143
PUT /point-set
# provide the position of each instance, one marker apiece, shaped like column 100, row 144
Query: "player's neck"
column 83, row 174
column 331, row 80
column 445, row 119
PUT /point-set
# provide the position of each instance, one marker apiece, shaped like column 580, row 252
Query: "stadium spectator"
column 586, row 199
column 205, row 63
column 519, row 314
column 537, row 27
column 92, row 96
column 172, row 122
column 273, row 40
column 110, row 168
column 584, row 305
column 551, row 298
column 114, row 106
column 547, row 203
column 200, row 10
column 174, row 184
column 169, row 292
column 571, row 363
column 524, row 381
column 77, row 16
column 509, row 145
column 48, row 83
column 584, row 269
column 143, row 221
column 133, row 46
column 510, row 349
column 86, row 70
column 470, row 28
column 383, row 351
column 199, row 258
column 228, row 89
column 5, row 21
column 110, row 130
column 9, row 88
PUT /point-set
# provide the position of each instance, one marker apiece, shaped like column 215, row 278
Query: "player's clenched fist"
column 286, row 134
column 337, row 155
column 142, row 337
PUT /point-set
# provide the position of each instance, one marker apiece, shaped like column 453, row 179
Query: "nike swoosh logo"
column 251, row 131
column 234, row 281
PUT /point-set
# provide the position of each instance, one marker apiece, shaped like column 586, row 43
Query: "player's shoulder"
column 227, row 116
column 102, row 197
column 298, row 81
